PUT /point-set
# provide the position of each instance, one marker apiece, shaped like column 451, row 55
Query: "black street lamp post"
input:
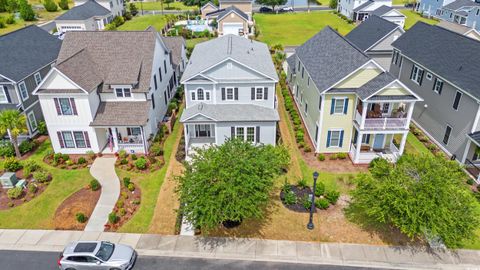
column 310, row 225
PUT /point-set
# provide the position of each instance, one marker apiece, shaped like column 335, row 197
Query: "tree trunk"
column 13, row 140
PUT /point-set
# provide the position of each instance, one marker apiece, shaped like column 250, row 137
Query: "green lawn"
column 140, row 23
column 296, row 28
column 413, row 17
column 194, row 41
column 413, row 145
column 42, row 16
column 150, row 187
column 158, row 6
column 39, row 212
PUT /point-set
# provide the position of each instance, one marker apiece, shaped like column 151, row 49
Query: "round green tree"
column 423, row 196
column 229, row 183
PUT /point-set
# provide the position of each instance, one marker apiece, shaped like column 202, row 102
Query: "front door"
column 202, row 131
column 378, row 142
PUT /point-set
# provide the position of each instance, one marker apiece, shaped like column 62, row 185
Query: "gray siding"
column 31, row 85
column 13, row 97
column 439, row 111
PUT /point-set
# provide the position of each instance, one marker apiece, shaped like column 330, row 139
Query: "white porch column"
column 364, row 114
column 465, row 153
column 115, row 139
column 185, row 133
column 357, row 147
column 144, row 140
column 410, row 113
column 402, row 143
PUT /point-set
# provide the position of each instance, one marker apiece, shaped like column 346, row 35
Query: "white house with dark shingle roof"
column 89, row 16
column 115, row 6
column 229, row 92
column 103, row 99
column 360, row 10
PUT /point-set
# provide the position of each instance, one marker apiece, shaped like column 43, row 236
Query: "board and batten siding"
column 359, row 78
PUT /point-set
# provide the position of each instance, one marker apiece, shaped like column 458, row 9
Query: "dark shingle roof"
column 475, row 136
column 26, row 50
column 362, row 6
column 175, row 44
column 461, row 3
column 291, row 62
column 329, row 57
column 374, row 85
column 382, row 10
column 370, row 32
column 229, row 9
column 448, row 54
column 84, row 11
column 129, row 113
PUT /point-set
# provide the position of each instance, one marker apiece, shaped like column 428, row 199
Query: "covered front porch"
column 130, row 139
column 471, row 157
column 198, row 135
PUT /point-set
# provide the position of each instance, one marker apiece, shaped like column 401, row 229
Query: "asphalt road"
column 20, row 260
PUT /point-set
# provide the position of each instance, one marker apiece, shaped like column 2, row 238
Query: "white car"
column 286, row 9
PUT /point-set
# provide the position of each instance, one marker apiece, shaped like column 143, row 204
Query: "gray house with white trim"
column 26, row 57
column 443, row 67
column 229, row 92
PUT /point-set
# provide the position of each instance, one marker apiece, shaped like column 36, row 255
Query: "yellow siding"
column 337, row 121
column 394, row 92
column 359, row 78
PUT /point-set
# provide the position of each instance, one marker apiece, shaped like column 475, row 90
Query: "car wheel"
column 70, row 269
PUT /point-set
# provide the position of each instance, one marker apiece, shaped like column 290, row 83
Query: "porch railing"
column 381, row 123
column 473, row 169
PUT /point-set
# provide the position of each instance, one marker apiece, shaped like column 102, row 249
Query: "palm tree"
column 13, row 123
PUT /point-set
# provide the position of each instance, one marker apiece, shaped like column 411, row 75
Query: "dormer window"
column 123, row 92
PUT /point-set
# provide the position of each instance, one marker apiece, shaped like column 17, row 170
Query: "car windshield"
column 105, row 251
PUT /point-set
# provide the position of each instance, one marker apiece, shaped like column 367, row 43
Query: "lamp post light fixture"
column 310, row 225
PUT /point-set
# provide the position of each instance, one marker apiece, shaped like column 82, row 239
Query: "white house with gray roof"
column 114, row 6
column 89, row 16
column 348, row 102
column 229, row 92
column 103, row 99
column 360, row 10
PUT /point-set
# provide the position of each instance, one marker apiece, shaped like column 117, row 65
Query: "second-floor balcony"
column 383, row 116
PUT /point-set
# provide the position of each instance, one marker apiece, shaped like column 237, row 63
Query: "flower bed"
column 181, row 152
column 297, row 197
column 139, row 163
column 69, row 162
column 126, row 206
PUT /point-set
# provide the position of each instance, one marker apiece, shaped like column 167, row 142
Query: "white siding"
column 267, row 131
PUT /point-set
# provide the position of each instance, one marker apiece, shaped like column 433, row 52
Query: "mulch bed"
column 26, row 195
column 300, row 193
column 38, row 142
column 127, row 201
column 181, row 152
column 82, row 201
column 153, row 163
column 71, row 163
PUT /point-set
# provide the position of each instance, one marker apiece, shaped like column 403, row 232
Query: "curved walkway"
column 103, row 169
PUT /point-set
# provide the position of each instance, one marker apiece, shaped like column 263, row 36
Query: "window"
column 38, row 78
column 456, row 102
column 245, row 133
column 125, row 92
column 111, row 5
column 230, row 95
column 23, row 90
column 365, row 138
column 4, row 95
column 250, row 134
column 335, row 138
column 165, row 66
column 207, row 95
column 68, row 141
column 306, row 108
column 193, row 95
column 446, row 137
column 160, row 73
column 200, row 94
column 303, row 71
column 429, row 76
column 79, row 139
column 395, row 57
column 152, row 96
column 155, row 81
column 32, row 121
column 133, row 131
column 437, row 86
column 385, row 107
column 338, row 107
column 65, row 106
column 417, row 75
column 240, row 134
column 259, row 93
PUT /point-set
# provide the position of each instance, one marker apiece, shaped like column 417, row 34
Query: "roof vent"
column 460, row 68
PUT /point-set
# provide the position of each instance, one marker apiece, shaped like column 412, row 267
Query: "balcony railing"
column 381, row 123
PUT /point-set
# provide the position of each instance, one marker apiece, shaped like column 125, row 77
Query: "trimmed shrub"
column 112, row 218
column 306, row 202
column 470, row 181
column 41, row 176
column 91, row 155
column 123, row 161
column 15, row 193
column 120, row 204
column 333, row 157
column 321, row 157
column 29, row 167
column 319, row 189
column 342, row 155
column 65, row 157
column 6, row 149
column 2, row 23
column 131, row 187
column 156, row 149
column 32, row 189
column 118, row 20
column 122, row 212
column 94, row 184
column 141, row 163
column 126, row 181
column 26, row 10
column 302, row 182
column 50, row 5
column 432, row 147
column 136, row 201
column 290, row 198
column 10, row 19
column 80, row 217
column 63, row 4
column 69, row 162
column 10, row 204
column 122, row 154
column 307, row 149
column 81, row 160
column 134, row 157
column 332, row 196
column 12, row 164
column 322, row 203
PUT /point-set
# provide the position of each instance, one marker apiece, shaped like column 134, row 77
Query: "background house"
column 26, row 56
column 375, row 36
column 390, row 14
column 232, row 20
column 89, row 16
column 115, row 6
column 442, row 66
column 229, row 92
column 209, row 7
column 461, row 29
column 101, row 98
column 178, row 49
column 360, row 10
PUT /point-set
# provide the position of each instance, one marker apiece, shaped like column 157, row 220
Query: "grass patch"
column 150, row 186
column 194, row 41
column 42, row 16
column 413, row 18
column 413, row 145
column 296, row 28
column 39, row 213
column 140, row 23
column 158, row 6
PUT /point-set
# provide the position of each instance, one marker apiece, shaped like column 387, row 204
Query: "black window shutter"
column 257, row 140
column 253, row 93
column 232, row 132
column 57, row 106
column 87, row 139
column 411, row 72
column 129, row 131
column 223, row 93
column 153, row 101
column 421, row 77
column 265, row 93
column 74, row 107
column 236, row 93
column 60, row 139
column 7, row 95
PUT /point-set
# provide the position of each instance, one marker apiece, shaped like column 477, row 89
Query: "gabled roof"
column 250, row 53
column 329, row 57
column 455, row 27
column 374, row 85
column 460, row 4
column 26, row 50
column 81, row 69
column 118, row 57
column 126, row 113
column 231, row 112
column 230, row 9
column 84, row 11
column 382, row 10
column 450, row 55
column 208, row 4
column 370, row 32
column 175, row 44
column 291, row 62
column 362, row 6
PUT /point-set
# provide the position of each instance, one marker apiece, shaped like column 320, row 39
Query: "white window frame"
column 20, row 90
column 39, row 79
column 64, row 141
column 343, row 104
column 364, row 139
column 3, row 90
column 193, row 95
column 262, row 93
column 35, row 126
column 415, row 74
column 435, row 88
column 206, row 94
column 245, row 132
column 330, row 139
column 123, row 92
column 69, row 104
column 233, row 93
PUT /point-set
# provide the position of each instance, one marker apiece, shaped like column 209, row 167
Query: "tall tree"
column 423, row 196
column 63, row 4
column 271, row 3
column 13, row 123
column 26, row 10
column 230, row 182
column 50, row 5
column 133, row 9
column 333, row 4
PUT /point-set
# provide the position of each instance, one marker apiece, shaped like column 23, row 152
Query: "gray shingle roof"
column 455, row 27
column 84, row 11
column 291, row 62
column 475, row 136
column 175, row 44
column 26, row 50
column 82, row 70
column 374, row 85
column 230, row 9
column 131, row 113
column 370, row 32
column 362, row 6
column 461, row 3
column 394, row 97
column 250, row 53
column 231, row 112
column 448, row 54
column 329, row 57
column 382, row 10
column 129, row 61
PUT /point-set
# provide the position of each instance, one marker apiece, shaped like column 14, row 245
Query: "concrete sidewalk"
column 249, row 249
column 103, row 169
